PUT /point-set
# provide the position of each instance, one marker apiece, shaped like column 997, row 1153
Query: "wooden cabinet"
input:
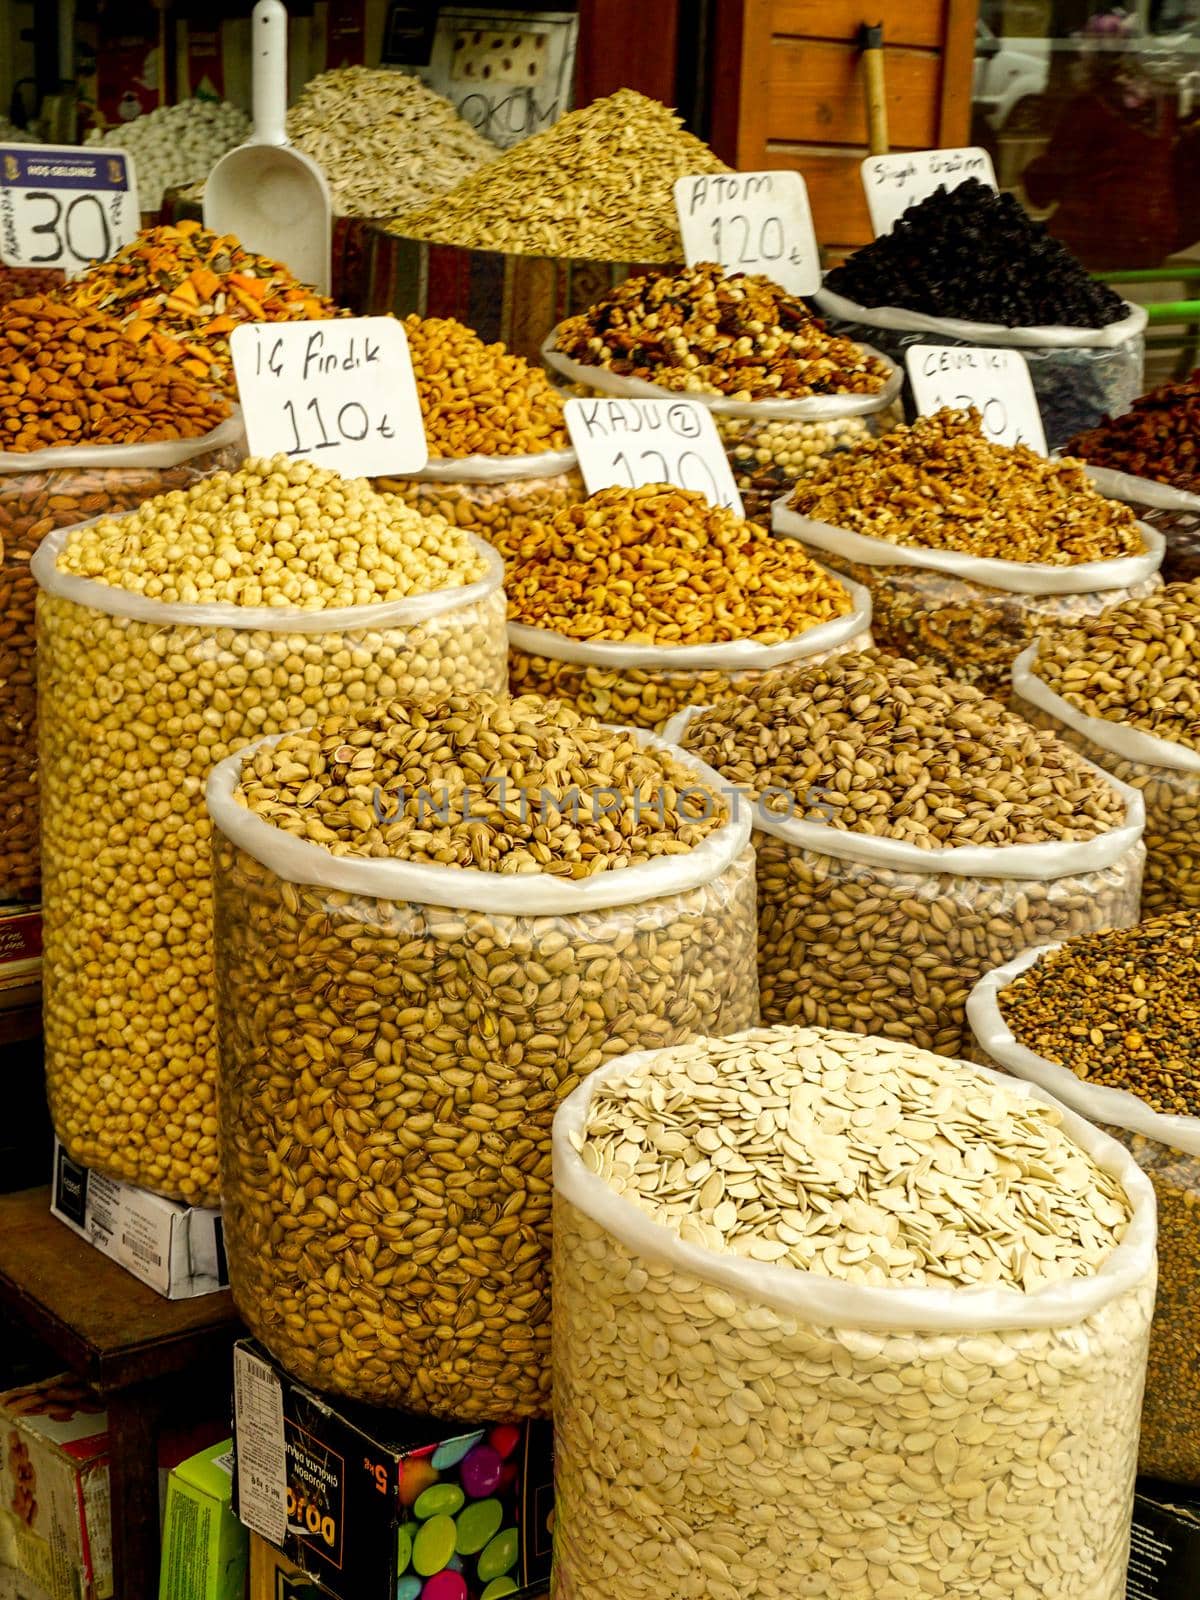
column 788, row 91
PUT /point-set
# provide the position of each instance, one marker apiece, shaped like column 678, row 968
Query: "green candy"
column 476, row 1525
column 499, row 1555
column 439, row 1500
column 403, row 1549
column 434, row 1545
column 497, row 1587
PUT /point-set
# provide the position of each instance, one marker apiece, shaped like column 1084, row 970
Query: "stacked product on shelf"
column 1124, row 688
column 910, row 834
column 432, row 922
column 264, row 599
column 968, row 266
column 549, row 225
column 783, row 391
column 967, row 546
column 639, row 602
column 90, row 422
column 837, row 1316
column 500, row 457
column 1109, row 1024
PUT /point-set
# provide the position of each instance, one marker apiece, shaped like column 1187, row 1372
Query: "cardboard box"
column 357, row 1498
column 204, row 1547
column 176, row 1249
column 1164, row 1555
column 20, row 956
column 55, row 1526
column 274, row 1577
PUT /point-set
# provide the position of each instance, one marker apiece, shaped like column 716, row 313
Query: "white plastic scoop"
column 272, row 198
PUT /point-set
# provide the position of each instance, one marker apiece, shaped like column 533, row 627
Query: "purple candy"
column 480, row 1471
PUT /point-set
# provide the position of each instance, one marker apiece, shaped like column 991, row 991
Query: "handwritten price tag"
column 64, row 206
column 893, row 183
column 995, row 382
column 633, row 442
column 340, row 393
column 751, row 222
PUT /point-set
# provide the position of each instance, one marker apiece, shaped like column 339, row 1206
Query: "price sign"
column 893, row 183
column 751, row 222
column 633, row 442
column 339, row 393
column 64, row 206
column 995, row 382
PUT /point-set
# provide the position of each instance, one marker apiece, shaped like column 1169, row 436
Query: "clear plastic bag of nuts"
column 140, row 699
column 969, row 616
column 771, row 444
column 758, row 1429
column 644, row 686
column 39, row 492
column 1166, row 775
column 1079, row 374
column 395, row 1040
column 1167, row 1149
column 875, row 935
column 486, row 494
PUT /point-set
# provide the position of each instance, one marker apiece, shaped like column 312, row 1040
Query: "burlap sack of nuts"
column 770, row 444
column 39, row 492
column 1165, row 770
column 140, row 697
column 969, row 615
column 397, row 1032
column 1167, row 1148
column 808, row 1341
column 866, row 921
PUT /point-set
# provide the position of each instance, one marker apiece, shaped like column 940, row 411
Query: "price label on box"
column 339, row 393
column 893, row 183
column 629, row 443
column 995, row 382
column 65, row 206
column 751, row 222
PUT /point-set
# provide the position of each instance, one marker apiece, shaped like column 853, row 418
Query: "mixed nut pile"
column 141, row 694
column 595, row 185
column 748, row 1446
column 390, row 1068
column 704, row 331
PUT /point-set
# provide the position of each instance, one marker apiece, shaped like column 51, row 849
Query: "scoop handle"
column 268, row 47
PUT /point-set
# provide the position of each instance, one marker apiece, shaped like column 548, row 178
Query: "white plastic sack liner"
column 1130, row 326
column 1124, row 486
column 1052, row 859
column 1014, row 577
column 161, row 453
column 523, row 894
column 1134, row 744
column 736, row 655
column 812, row 408
column 827, row 1302
column 1098, row 1102
column 487, row 469
column 408, row 612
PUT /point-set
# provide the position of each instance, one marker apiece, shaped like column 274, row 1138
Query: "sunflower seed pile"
column 856, row 1158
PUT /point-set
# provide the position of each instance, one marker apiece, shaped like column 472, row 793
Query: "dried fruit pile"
column 1158, row 437
column 183, row 290
column 972, row 253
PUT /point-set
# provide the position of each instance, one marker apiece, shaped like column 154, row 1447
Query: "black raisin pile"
column 969, row 252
